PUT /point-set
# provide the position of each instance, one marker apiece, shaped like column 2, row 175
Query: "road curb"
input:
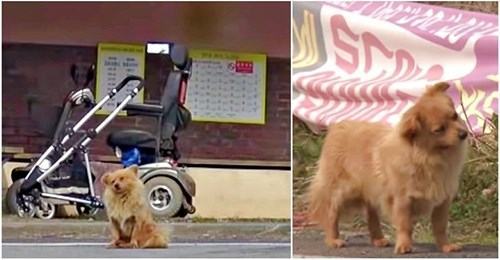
column 77, row 229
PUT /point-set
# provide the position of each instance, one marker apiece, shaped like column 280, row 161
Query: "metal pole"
column 44, row 155
column 113, row 114
column 88, row 115
column 89, row 173
column 62, row 197
column 56, row 164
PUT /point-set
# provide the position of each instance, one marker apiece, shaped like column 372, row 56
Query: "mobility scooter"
column 169, row 188
column 63, row 174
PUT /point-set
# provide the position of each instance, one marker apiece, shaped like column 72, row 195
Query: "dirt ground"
column 309, row 243
column 490, row 7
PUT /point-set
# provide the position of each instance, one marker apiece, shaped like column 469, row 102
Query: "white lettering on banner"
column 423, row 19
column 354, row 50
column 380, row 56
column 459, row 31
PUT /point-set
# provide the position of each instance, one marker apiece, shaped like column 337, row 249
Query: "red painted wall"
column 237, row 26
column 41, row 41
column 41, row 72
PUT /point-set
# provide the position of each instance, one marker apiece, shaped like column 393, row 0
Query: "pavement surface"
column 201, row 249
column 309, row 243
column 62, row 238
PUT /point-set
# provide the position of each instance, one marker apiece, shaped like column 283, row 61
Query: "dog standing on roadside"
column 401, row 173
column 131, row 222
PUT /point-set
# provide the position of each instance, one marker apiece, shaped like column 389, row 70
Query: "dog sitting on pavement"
column 131, row 222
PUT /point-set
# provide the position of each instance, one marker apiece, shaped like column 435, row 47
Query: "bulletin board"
column 114, row 63
column 227, row 87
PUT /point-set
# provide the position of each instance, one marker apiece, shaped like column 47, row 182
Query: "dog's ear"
column 133, row 168
column 437, row 88
column 410, row 124
column 105, row 180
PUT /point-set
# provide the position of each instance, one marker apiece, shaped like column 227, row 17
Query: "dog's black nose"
column 462, row 134
column 117, row 186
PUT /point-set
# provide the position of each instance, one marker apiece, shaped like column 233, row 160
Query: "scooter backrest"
column 179, row 56
column 171, row 90
column 177, row 77
column 175, row 86
column 170, row 104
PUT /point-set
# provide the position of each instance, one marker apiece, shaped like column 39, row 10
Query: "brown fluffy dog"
column 401, row 173
column 132, row 225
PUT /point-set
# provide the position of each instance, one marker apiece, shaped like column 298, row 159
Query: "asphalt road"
column 63, row 238
column 97, row 249
column 309, row 243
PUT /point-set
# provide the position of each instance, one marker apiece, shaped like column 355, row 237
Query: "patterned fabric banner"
column 371, row 60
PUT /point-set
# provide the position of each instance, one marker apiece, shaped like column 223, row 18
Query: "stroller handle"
column 110, row 95
column 126, row 80
column 91, row 133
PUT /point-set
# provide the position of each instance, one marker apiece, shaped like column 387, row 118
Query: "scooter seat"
column 132, row 137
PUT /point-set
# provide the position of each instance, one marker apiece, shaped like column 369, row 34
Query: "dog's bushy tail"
column 157, row 239
column 320, row 198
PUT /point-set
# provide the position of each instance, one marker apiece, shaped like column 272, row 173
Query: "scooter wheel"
column 12, row 201
column 164, row 196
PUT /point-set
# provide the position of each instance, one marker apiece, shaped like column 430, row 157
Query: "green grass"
column 306, row 151
column 474, row 212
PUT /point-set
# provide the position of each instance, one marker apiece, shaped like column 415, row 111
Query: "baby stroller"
column 63, row 175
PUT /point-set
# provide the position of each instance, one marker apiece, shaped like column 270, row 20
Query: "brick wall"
column 41, row 72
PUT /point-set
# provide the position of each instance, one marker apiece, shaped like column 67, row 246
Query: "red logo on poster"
column 244, row 66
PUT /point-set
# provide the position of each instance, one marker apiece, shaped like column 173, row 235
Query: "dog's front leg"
column 129, row 227
column 376, row 234
column 116, row 233
column 401, row 216
column 135, row 238
column 439, row 221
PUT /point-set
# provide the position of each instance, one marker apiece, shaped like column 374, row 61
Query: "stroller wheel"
column 46, row 210
column 86, row 211
column 23, row 214
column 14, row 202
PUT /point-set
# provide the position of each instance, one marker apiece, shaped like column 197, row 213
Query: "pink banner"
column 370, row 60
